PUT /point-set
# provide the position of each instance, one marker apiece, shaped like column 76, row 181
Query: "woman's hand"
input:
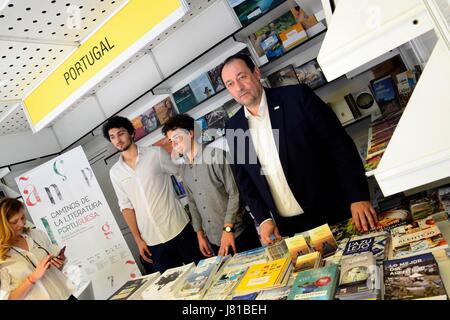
column 41, row 268
column 58, row 261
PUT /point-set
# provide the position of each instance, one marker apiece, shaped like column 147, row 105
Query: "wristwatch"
column 228, row 229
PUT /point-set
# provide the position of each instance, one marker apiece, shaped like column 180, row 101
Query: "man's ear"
column 257, row 73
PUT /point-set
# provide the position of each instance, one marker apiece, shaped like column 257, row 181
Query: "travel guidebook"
column 283, row 77
column 202, row 87
column 165, row 110
column 310, row 74
column 375, row 243
column 414, row 277
column 249, row 10
column 316, row 284
column 184, row 99
column 132, row 289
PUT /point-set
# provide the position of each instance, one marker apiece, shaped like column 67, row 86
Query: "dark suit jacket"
column 320, row 161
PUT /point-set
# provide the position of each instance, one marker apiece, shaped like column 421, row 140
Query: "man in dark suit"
column 296, row 167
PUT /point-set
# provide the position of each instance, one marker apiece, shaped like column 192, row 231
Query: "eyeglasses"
column 26, row 257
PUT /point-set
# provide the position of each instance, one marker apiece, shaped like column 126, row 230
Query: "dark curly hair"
column 179, row 121
column 117, row 122
column 238, row 56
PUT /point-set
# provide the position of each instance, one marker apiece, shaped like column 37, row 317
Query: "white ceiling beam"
column 39, row 41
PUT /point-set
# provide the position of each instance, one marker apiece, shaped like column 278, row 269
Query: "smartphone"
column 61, row 252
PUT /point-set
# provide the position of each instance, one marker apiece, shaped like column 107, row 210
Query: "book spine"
column 352, row 105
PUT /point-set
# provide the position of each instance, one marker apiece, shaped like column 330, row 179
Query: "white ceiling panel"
column 15, row 122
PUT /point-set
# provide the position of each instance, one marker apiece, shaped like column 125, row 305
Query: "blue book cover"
column 185, row 99
column 250, row 296
column 315, row 284
column 202, row 87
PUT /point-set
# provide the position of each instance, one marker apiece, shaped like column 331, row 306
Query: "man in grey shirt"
column 218, row 216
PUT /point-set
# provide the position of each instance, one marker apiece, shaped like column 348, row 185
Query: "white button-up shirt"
column 149, row 192
column 16, row 268
column 266, row 150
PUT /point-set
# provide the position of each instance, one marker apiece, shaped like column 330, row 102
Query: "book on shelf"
column 231, row 107
column 167, row 284
column 405, row 85
column 365, row 102
column 375, row 242
column 418, row 237
column 215, row 123
column 199, row 279
column 284, row 77
column 202, row 87
column 271, row 44
column 424, row 207
column 216, row 79
column 385, row 94
column 315, row 284
column 359, row 278
column 165, row 110
column 184, row 99
column 132, row 289
column 307, row 21
column 267, row 275
column 415, row 277
column 310, row 74
column 288, row 30
column 248, row 11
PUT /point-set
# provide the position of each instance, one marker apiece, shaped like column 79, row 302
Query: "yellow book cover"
column 297, row 246
column 307, row 261
column 322, row 240
column 263, row 276
column 292, row 36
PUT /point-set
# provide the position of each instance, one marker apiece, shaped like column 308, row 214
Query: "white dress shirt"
column 148, row 190
column 267, row 152
column 16, row 268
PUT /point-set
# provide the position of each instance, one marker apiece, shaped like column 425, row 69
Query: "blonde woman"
column 30, row 267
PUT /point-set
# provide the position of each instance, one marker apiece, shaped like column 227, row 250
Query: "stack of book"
column 418, row 237
column 316, row 284
column 360, row 278
column 392, row 218
column 263, row 276
column 380, row 133
column 424, row 207
column 199, row 279
column 416, row 277
column 167, row 284
column 278, row 293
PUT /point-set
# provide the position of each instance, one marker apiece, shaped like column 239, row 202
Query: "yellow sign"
column 135, row 25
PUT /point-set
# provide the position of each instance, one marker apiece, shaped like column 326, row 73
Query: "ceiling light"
column 3, row 4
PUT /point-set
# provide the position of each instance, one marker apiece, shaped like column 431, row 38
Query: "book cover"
column 250, row 296
column 283, row 77
column 216, row 80
column 165, row 144
column 149, row 121
column 185, row 99
column 262, row 276
column 385, row 94
column 365, row 102
column 306, row 20
column 128, row 289
column 277, row 293
column 167, row 284
column 231, row 107
column 316, row 284
column 405, row 86
column 322, row 240
column 374, row 242
column 257, row 255
column 355, row 274
column 415, row 277
column 271, row 45
column 139, row 131
column 202, row 87
column 216, row 120
column 344, row 229
column 310, row 74
column 393, row 218
column 224, row 284
column 288, row 30
column 203, row 126
column 420, row 236
column 198, row 279
column 307, row 261
column 297, row 246
column 277, row 250
column 249, row 10
column 165, row 110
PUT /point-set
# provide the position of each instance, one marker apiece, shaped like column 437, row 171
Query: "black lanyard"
column 26, row 257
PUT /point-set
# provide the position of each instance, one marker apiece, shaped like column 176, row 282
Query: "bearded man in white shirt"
column 157, row 220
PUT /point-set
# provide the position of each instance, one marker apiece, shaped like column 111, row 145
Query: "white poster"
column 64, row 198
